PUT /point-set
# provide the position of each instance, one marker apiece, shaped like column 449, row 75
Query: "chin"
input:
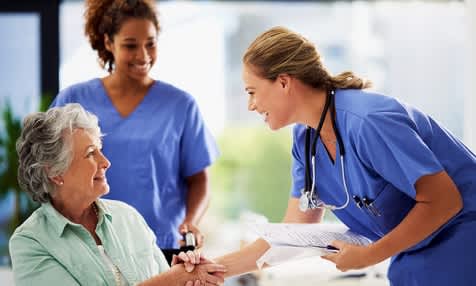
column 140, row 77
column 275, row 126
column 105, row 191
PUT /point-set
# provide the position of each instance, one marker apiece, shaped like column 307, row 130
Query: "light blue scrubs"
column 152, row 150
column 389, row 146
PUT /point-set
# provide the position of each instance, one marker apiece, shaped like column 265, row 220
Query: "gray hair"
column 45, row 147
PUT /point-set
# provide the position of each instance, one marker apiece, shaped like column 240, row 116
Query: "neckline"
column 108, row 100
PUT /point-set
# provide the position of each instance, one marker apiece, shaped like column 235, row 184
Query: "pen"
column 328, row 248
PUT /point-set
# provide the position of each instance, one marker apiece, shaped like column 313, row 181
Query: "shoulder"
column 362, row 103
column 174, row 93
column 358, row 108
column 121, row 211
column 31, row 228
column 76, row 92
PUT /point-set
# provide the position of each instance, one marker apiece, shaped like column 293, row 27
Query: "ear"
column 108, row 43
column 284, row 80
column 58, row 180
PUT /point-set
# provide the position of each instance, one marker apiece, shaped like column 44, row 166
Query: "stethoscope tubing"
column 313, row 199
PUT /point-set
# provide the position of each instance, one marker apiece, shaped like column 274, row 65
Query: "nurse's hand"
column 350, row 256
column 186, row 227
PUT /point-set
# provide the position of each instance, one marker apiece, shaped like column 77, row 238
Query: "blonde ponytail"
column 348, row 80
column 281, row 51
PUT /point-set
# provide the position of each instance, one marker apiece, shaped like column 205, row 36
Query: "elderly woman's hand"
column 189, row 259
column 206, row 274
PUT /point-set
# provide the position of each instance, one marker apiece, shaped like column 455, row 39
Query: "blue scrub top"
column 389, row 146
column 152, row 150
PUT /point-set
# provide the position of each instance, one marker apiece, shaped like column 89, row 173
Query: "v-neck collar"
column 111, row 105
column 323, row 152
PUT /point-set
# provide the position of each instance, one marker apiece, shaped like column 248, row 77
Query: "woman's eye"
column 130, row 47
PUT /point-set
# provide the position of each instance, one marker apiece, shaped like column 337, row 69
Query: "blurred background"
column 422, row 52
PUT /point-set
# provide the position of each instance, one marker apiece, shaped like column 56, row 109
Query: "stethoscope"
column 309, row 198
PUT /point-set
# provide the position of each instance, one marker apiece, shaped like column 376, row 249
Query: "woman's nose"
column 142, row 54
column 104, row 161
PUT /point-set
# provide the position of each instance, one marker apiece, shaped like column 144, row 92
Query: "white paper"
column 278, row 254
column 306, row 235
column 296, row 241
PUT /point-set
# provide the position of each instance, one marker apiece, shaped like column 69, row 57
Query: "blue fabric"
column 152, row 150
column 389, row 146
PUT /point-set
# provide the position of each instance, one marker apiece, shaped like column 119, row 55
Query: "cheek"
column 153, row 54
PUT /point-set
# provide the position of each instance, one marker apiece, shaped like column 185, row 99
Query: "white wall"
column 470, row 87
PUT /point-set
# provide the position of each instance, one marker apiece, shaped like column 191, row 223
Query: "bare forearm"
column 294, row 215
column 244, row 260
column 198, row 197
column 429, row 213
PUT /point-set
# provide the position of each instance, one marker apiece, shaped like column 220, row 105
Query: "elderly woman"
column 75, row 238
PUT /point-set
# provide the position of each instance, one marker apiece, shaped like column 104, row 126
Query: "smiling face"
column 269, row 98
column 85, row 179
column 134, row 48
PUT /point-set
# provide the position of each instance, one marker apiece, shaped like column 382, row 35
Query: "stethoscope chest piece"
column 303, row 202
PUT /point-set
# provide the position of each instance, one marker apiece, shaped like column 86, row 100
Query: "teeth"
column 141, row 67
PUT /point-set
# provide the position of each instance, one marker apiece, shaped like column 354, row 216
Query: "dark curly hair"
column 105, row 17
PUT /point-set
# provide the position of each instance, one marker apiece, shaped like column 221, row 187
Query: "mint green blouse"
column 48, row 249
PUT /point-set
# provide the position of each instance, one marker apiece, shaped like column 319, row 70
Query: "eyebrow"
column 89, row 146
column 135, row 40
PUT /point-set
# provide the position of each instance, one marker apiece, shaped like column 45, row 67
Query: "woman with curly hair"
column 156, row 139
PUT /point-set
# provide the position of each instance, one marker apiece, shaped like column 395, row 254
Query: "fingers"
column 189, row 259
column 188, row 227
column 189, row 256
column 174, row 260
column 338, row 244
column 194, row 256
column 183, row 228
column 214, row 279
column 189, row 267
column 184, row 257
column 213, row 267
column 204, row 260
column 199, row 237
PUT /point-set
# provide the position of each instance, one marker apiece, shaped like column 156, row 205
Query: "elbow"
column 458, row 204
column 455, row 204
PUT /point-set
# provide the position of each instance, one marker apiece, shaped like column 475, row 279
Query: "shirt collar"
column 59, row 222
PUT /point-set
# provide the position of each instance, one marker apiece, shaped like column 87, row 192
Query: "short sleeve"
column 33, row 265
column 62, row 98
column 198, row 148
column 389, row 144
column 298, row 163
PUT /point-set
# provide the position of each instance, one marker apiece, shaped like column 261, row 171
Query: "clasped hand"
column 198, row 270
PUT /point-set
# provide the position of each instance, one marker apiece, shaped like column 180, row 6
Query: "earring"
column 61, row 183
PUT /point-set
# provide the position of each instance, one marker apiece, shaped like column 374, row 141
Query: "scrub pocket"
column 392, row 206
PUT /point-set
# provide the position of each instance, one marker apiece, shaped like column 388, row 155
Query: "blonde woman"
column 387, row 170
